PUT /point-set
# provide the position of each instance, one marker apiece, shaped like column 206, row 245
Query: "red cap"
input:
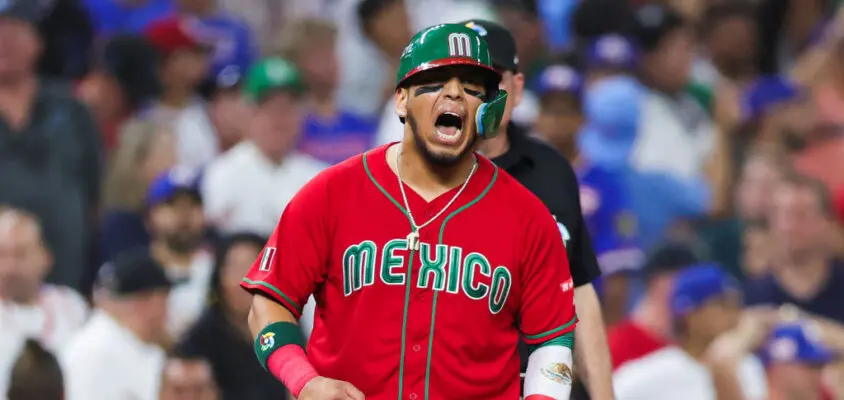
column 169, row 35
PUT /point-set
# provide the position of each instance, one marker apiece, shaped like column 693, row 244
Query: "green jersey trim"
column 548, row 334
column 284, row 297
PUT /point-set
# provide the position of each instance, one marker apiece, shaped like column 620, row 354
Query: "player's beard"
column 438, row 160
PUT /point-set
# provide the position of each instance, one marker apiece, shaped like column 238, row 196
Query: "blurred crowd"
column 148, row 147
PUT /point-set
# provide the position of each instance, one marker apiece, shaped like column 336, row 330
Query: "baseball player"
column 427, row 262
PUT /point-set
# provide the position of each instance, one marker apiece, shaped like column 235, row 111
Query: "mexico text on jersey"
column 439, row 323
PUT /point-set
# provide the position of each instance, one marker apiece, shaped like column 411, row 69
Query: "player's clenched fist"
column 321, row 388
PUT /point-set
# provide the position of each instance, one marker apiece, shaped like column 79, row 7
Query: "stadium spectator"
column 122, row 81
column 177, row 234
column 247, row 188
column 758, row 180
column 331, row 134
column 711, row 345
column 49, row 147
column 228, row 108
column 146, row 150
column 604, row 196
column 609, row 55
column 117, row 353
column 36, row 375
column 648, row 328
column 29, row 308
column 728, row 32
column 805, row 271
column 220, row 336
column 230, row 39
column 183, row 66
column 796, row 357
column 188, row 378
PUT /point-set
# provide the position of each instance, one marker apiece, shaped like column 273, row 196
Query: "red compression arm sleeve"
column 290, row 365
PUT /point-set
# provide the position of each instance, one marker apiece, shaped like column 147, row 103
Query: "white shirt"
column 189, row 294
column 105, row 361
column 197, row 142
column 671, row 374
column 59, row 314
column 243, row 191
column 662, row 127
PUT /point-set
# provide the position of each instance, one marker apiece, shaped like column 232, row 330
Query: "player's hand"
column 322, row 388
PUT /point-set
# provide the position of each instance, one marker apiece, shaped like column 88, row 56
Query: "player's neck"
column 428, row 180
column 495, row 147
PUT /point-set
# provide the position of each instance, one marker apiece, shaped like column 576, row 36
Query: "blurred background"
column 148, row 147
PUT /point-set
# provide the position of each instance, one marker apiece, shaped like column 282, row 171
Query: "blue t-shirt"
column 333, row 140
column 110, row 17
column 605, row 203
column 828, row 302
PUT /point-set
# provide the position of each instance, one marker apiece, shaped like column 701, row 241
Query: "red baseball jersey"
column 439, row 323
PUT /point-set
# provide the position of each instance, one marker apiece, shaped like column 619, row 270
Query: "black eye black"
column 475, row 93
column 427, row 89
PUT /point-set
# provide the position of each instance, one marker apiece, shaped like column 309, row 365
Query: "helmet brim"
column 493, row 76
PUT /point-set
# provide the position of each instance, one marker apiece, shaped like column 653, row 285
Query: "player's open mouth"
column 449, row 126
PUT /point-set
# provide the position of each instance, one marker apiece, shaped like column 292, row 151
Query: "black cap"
column 132, row 272
column 652, row 22
column 502, row 45
column 24, row 10
column 672, row 256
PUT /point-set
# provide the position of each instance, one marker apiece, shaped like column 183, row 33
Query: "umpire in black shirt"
column 550, row 177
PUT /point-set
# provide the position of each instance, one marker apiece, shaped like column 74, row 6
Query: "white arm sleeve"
column 549, row 374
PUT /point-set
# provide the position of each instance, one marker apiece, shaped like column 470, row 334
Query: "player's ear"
column 400, row 100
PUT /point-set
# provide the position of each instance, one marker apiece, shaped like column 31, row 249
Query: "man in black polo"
column 49, row 146
column 551, row 178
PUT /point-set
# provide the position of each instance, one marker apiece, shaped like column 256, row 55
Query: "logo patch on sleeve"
column 267, row 341
column 567, row 285
column 558, row 372
column 267, row 259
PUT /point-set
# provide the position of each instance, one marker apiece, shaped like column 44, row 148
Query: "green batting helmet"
column 454, row 44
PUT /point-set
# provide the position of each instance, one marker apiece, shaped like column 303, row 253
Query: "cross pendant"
column 413, row 241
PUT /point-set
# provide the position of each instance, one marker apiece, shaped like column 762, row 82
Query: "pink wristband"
column 291, row 366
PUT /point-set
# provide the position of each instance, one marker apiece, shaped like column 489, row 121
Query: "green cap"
column 444, row 45
column 272, row 74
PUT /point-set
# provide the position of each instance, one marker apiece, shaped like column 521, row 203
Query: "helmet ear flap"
column 489, row 115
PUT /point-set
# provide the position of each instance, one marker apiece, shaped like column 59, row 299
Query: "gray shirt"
column 52, row 168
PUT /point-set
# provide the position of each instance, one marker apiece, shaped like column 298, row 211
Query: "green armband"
column 566, row 340
column 275, row 336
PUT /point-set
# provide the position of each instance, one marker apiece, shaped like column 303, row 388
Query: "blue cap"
column 612, row 109
column 696, row 285
column 796, row 342
column 169, row 184
column 612, row 51
column 766, row 92
column 559, row 79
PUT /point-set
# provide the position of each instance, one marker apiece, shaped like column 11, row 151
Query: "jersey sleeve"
column 294, row 261
column 547, row 290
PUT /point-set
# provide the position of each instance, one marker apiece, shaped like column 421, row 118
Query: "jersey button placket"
column 419, row 317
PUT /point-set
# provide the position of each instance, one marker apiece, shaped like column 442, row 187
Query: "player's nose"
column 453, row 89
